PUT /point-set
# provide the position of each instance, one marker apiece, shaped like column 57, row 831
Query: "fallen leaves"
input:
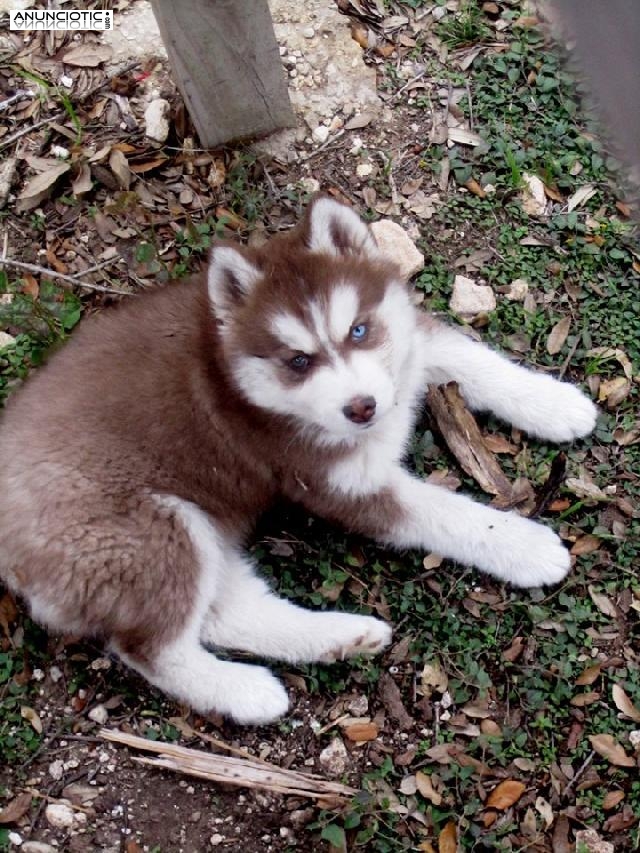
column 87, row 55
column 603, row 602
column 425, row 786
column 624, row 704
column 17, row 808
column 32, row 717
column 558, row 336
column 608, row 747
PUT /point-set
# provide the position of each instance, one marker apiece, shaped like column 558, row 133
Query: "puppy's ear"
column 231, row 277
column 335, row 229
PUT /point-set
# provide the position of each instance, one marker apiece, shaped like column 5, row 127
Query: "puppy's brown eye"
column 300, row 363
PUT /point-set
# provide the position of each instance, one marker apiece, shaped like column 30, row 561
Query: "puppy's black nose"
column 360, row 410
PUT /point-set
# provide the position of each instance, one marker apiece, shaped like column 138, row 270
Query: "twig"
column 17, row 96
column 244, row 772
column 567, row 360
column 38, row 270
column 413, row 80
column 579, row 773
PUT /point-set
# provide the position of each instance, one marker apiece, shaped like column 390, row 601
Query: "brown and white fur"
column 133, row 466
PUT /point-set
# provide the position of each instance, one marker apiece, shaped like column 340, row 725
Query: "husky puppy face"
column 317, row 326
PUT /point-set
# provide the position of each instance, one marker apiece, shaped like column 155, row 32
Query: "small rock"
column 37, row 847
column 359, row 706
column 310, row 185
column 634, row 739
column 59, row 815
column 438, row 13
column 55, row 673
column 589, row 841
column 394, row 243
column 100, row 664
column 470, row 299
column 320, row 134
column 156, row 124
column 56, row 770
column 6, row 339
column 216, row 839
column 99, row 715
column 334, row 758
column 15, row 838
column 534, row 200
column 518, row 289
column 308, row 32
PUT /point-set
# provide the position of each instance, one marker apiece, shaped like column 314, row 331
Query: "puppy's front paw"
column 349, row 636
column 525, row 553
column 567, row 413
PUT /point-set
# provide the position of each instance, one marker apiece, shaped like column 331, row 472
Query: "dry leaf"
column 476, row 710
column 605, row 353
column 361, row 732
column 120, row 168
column 558, row 336
column 603, row 602
column 514, row 651
column 498, row 444
column 32, row 717
column 580, row 196
column 611, row 799
column 614, row 391
column 8, row 613
column 432, row 561
column 82, row 182
column 425, row 786
column 589, row 675
column 585, row 545
column 624, row 704
column 543, row 807
column 505, row 794
column 46, row 179
column 608, row 747
column 464, row 137
column 580, row 700
column 624, row 208
column 448, row 839
column 474, row 187
column 17, row 808
column 433, row 678
column 88, row 55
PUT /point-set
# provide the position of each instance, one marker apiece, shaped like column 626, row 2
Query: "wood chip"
column 462, row 434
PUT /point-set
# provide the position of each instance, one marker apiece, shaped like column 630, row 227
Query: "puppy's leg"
column 534, row 402
column 409, row 513
column 158, row 631
column 247, row 615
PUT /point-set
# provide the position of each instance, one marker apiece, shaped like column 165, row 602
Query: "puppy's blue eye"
column 359, row 332
column 299, row 363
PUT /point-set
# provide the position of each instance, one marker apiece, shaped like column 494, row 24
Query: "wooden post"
column 226, row 63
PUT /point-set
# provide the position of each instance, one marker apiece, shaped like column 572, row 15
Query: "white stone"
column 518, row 289
column 308, row 32
column 363, row 170
column 534, row 200
column 59, row 815
column 15, row 838
column 334, row 758
column 394, row 242
column 6, row 339
column 634, row 739
column 589, row 841
column 156, row 124
column 470, row 299
column 56, row 770
column 216, row 839
column 99, row 715
column 310, row 185
column 320, row 134
column 37, row 847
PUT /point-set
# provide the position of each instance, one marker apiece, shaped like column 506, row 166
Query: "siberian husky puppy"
column 133, row 466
